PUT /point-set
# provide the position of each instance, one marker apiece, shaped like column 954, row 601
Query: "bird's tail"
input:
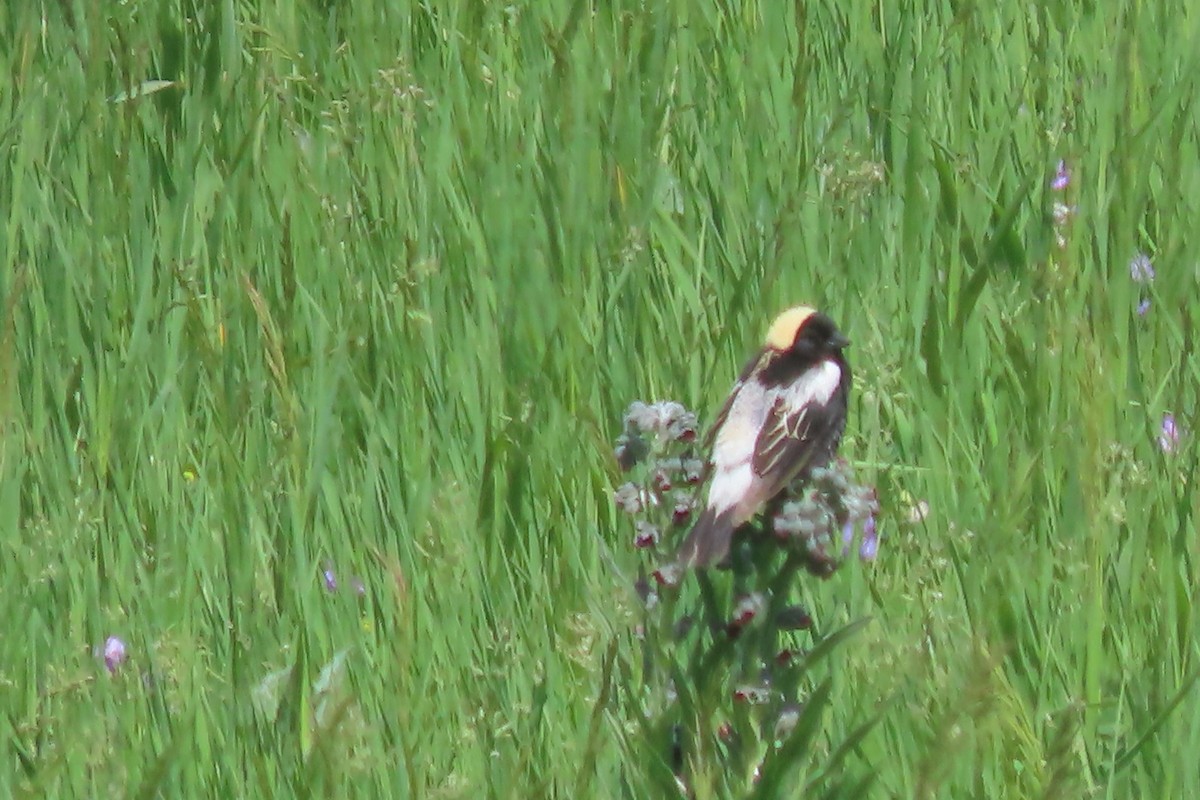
column 707, row 542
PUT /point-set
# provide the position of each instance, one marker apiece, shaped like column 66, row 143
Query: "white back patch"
column 816, row 385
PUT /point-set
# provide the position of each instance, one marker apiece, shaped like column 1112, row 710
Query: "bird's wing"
column 795, row 439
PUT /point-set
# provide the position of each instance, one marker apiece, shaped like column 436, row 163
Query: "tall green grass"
column 295, row 286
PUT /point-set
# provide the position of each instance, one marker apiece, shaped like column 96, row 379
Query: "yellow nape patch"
column 782, row 334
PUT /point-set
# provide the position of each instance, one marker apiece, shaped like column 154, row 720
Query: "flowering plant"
column 731, row 702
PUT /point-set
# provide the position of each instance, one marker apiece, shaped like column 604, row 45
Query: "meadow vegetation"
column 318, row 322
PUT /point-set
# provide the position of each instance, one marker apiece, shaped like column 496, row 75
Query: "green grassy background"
column 371, row 288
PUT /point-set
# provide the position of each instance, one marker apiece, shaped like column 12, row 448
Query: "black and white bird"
column 783, row 418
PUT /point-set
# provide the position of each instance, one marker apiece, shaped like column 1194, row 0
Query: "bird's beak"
column 838, row 341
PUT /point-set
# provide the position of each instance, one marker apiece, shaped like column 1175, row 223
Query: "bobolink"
column 784, row 417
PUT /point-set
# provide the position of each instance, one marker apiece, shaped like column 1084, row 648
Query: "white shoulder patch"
column 817, row 385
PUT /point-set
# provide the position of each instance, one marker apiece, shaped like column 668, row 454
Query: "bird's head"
column 807, row 333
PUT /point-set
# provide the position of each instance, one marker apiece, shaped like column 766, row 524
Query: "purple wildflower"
column 113, row 654
column 1062, row 177
column 1169, row 435
column 1143, row 307
column 868, row 546
column 1140, row 268
column 847, row 536
column 868, row 549
column 329, row 576
column 1061, row 212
